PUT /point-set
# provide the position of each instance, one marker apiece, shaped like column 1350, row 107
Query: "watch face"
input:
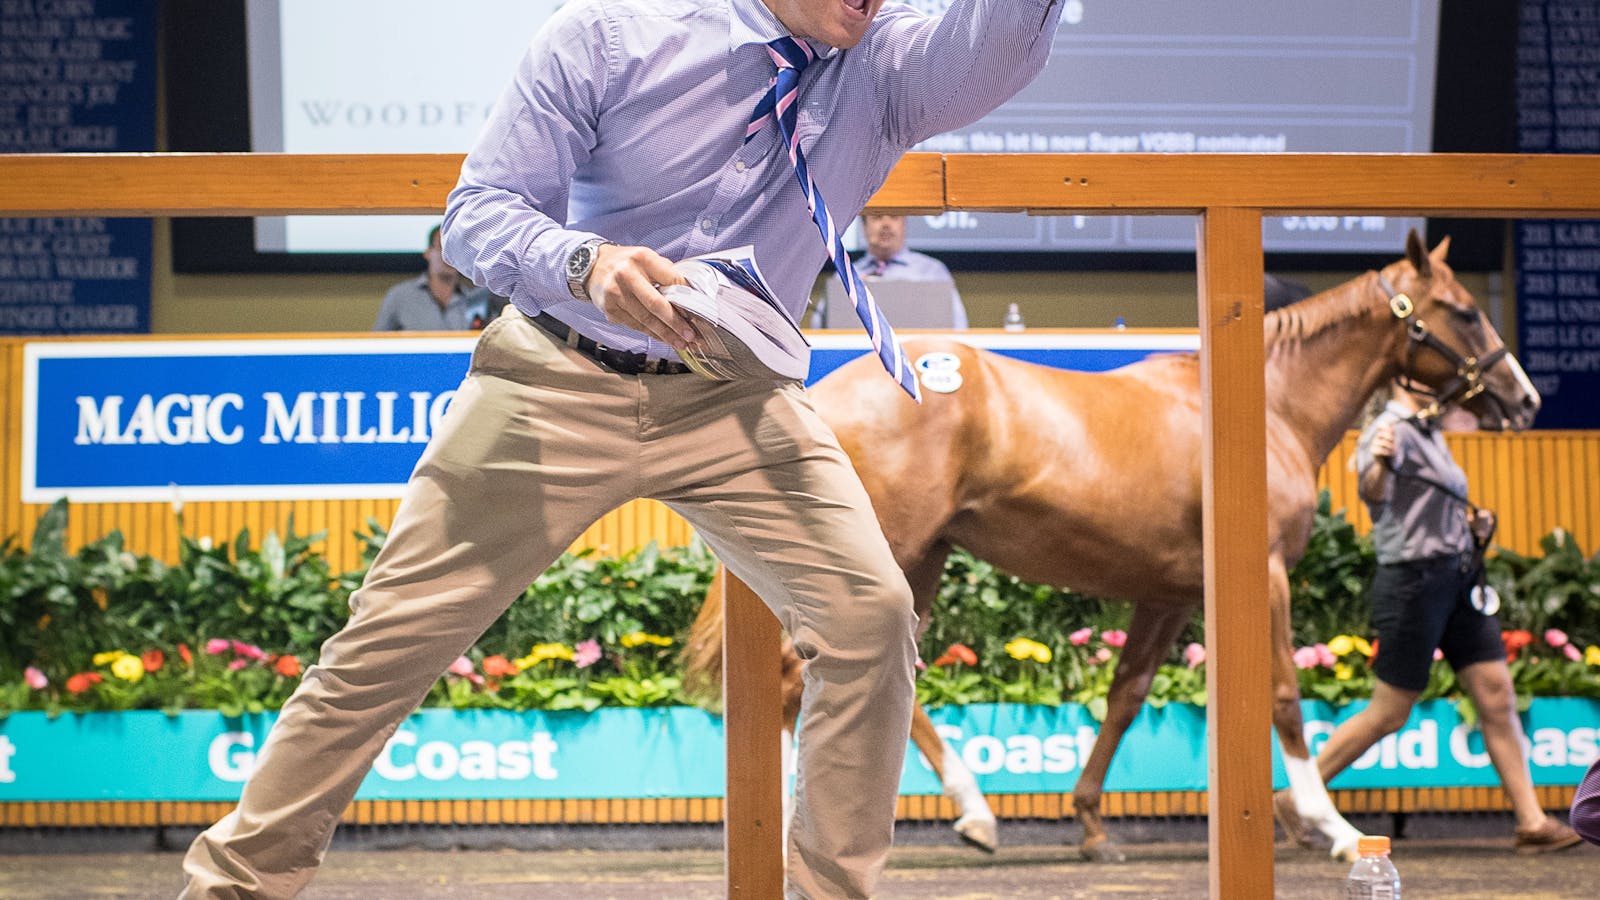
column 578, row 262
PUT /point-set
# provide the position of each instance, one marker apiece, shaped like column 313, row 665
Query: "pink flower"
column 586, row 653
column 216, row 646
column 1114, row 638
column 1437, row 654
column 462, row 666
column 1573, row 653
column 1081, row 636
column 1306, row 658
column 249, row 651
column 1194, row 654
column 1325, row 657
column 238, row 664
column 35, row 679
column 1555, row 637
column 1102, row 655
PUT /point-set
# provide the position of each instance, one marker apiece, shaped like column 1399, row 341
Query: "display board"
column 1558, row 262
column 76, row 76
column 1156, row 76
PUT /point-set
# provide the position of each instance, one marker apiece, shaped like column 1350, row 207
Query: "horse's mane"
column 1304, row 320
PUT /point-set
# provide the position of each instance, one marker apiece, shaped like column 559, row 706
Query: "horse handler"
column 1426, row 595
column 653, row 124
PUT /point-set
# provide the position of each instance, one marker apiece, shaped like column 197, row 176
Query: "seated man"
column 437, row 300
column 888, row 258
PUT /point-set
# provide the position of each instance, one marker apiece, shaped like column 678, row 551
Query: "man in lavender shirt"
column 619, row 148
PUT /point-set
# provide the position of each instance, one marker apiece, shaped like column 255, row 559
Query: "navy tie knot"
column 789, row 53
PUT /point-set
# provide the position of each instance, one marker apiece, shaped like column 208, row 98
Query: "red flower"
column 185, row 654
column 1515, row 641
column 82, row 681
column 153, row 660
column 498, row 666
column 957, row 653
column 287, row 665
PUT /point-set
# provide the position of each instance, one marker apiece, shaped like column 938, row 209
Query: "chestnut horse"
column 1092, row 481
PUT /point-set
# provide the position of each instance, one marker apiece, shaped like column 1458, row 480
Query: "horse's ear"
column 1417, row 254
column 1440, row 251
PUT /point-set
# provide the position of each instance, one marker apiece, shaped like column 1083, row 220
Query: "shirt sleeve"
column 388, row 319
column 948, row 71
column 504, row 221
column 1586, row 806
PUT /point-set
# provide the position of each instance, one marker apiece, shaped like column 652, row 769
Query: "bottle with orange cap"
column 1373, row 877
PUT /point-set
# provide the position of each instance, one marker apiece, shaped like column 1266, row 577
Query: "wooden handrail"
column 1462, row 185
column 278, row 184
column 1229, row 192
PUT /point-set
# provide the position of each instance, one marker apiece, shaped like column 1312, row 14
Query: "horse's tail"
column 702, row 649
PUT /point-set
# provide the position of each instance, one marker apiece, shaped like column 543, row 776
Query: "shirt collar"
column 751, row 22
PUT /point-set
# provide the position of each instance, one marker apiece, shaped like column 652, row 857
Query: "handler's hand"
column 1383, row 442
column 623, row 285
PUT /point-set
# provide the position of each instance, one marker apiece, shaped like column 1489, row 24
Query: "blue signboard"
column 311, row 419
column 440, row 754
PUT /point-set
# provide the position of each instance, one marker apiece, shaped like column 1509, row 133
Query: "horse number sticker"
column 939, row 372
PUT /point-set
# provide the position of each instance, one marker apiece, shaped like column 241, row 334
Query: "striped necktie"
column 779, row 102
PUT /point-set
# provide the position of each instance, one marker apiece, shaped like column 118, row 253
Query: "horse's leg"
column 1150, row 637
column 976, row 822
column 1311, row 804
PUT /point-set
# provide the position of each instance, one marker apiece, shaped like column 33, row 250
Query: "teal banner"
column 678, row 752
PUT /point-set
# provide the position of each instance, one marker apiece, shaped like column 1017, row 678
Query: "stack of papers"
column 743, row 330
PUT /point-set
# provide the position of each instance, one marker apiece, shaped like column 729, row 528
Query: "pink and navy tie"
column 780, row 102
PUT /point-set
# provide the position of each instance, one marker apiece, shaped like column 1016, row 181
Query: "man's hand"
column 624, row 286
column 1382, row 446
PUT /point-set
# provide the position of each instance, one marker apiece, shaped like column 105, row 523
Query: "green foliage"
column 1558, row 590
column 230, row 627
column 1328, row 585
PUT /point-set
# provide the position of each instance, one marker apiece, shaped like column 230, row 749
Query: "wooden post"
column 752, row 716
column 1238, row 645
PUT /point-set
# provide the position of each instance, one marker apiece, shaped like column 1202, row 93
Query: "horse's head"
column 1452, row 353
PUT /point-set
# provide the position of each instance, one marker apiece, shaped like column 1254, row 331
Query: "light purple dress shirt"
column 626, row 120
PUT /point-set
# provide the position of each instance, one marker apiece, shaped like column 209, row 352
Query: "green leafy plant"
column 229, row 626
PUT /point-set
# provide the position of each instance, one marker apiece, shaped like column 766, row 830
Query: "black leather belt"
column 618, row 361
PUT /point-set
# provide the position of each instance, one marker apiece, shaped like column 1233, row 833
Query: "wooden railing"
column 1230, row 193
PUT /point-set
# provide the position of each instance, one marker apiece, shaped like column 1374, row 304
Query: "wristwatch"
column 580, row 264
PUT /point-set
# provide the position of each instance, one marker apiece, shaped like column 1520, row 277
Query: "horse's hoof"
column 1294, row 827
column 1102, row 851
column 979, row 831
column 1346, row 850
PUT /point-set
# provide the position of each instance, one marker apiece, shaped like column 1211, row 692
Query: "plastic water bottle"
column 1013, row 319
column 1373, row 877
column 1121, row 324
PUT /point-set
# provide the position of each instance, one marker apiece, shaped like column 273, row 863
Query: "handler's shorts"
column 1420, row 605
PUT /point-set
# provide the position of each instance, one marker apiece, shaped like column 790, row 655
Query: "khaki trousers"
column 538, row 443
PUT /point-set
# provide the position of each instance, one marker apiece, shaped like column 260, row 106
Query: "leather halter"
column 1468, row 381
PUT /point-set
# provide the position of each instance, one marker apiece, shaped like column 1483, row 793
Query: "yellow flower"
column 542, row 652
column 128, row 668
column 639, row 637
column 1591, row 655
column 1363, row 646
column 110, row 656
column 1022, row 648
column 1341, row 672
column 1341, row 645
